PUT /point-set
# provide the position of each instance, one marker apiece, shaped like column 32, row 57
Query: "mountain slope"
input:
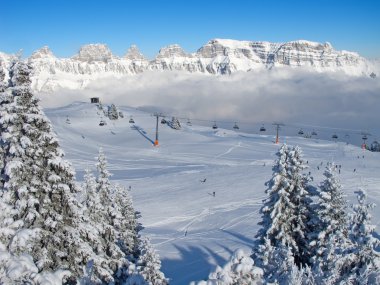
column 193, row 230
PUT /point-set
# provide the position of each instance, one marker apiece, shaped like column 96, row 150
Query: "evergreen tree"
column 126, row 222
column 113, row 114
column 3, row 87
column 38, row 184
column 363, row 257
column 175, row 124
column 240, row 269
column 92, row 199
column 329, row 237
column 111, row 263
column 285, row 214
column 111, row 213
column 149, row 264
column 301, row 276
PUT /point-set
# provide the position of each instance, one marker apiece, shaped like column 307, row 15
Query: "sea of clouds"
column 296, row 97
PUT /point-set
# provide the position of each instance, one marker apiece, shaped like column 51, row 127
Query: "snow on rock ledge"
column 218, row 56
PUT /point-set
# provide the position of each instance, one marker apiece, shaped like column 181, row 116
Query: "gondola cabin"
column 214, row 126
column 262, row 129
column 236, row 127
column 300, row 132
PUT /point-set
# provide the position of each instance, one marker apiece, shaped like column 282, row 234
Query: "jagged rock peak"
column 172, row 51
column 94, row 52
column 303, row 44
column 133, row 53
column 43, row 52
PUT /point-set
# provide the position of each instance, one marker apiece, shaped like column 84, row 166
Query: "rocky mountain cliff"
column 218, row 56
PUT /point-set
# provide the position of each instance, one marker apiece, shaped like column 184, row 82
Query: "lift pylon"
column 277, row 130
column 158, row 116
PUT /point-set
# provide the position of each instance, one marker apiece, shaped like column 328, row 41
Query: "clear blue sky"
column 65, row 25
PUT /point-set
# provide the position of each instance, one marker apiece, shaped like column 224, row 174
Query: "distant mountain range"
column 218, row 56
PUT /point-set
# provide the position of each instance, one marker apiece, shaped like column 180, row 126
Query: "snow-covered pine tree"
column 3, row 87
column 175, row 124
column 375, row 146
column 329, row 238
column 113, row 114
column 149, row 265
column 301, row 276
column 111, row 212
column 285, row 215
column 39, row 184
column 364, row 259
column 92, row 202
column 111, row 264
column 126, row 223
column 240, row 269
column 301, row 198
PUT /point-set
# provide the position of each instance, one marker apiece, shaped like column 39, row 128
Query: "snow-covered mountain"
column 218, row 56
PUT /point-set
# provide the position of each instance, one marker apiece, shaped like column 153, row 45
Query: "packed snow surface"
column 173, row 185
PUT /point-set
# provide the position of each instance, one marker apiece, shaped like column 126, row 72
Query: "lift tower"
column 157, row 115
column 278, row 127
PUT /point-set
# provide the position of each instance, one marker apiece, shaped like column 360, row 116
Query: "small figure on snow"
column 213, row 193
column 203, row 180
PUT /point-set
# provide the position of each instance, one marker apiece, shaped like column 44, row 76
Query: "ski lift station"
column 94, row 100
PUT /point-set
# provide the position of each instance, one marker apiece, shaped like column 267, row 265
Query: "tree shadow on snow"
column 193, row 264
column 241, row 238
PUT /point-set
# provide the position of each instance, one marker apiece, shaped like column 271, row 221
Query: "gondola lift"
column 300, row 132
column 236, row 127
column 131, row 121
column 262, row 129
column 68, row 120
column 214, row 126
column 334, row 136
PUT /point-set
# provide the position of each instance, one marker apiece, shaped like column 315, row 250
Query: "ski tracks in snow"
column 229, row 150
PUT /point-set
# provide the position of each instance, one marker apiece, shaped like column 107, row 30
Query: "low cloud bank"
column 292, row 96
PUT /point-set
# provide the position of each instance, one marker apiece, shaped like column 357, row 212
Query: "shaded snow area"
column 200, row 191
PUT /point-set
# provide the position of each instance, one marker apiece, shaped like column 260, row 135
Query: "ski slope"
column 192, row 229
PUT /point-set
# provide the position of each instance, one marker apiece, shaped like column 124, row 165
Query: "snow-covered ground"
column 192, row 229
